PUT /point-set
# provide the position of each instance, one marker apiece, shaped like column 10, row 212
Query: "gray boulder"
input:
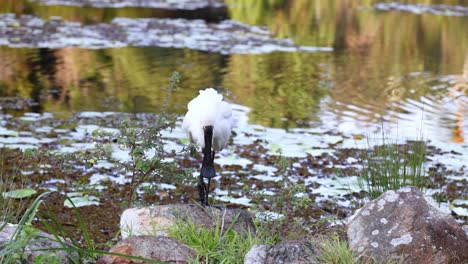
column 290, row 252
column 164, row 249
column 156, row 220
column 405, row 225
column 256, row 255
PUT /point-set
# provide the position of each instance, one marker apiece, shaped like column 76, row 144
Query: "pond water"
column 328, row 72
column 386, row 66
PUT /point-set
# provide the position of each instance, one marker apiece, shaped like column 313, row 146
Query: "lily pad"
column 80, row 200
column 185, row 141
column 20, row 193
column 274, row 148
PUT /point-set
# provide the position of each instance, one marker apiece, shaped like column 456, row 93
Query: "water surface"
column 414, row 76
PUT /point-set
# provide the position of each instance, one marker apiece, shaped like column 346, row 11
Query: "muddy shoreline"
column 328, row 172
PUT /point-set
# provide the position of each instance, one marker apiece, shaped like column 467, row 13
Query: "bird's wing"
column 193, row 131
column 225, row 109
column 223, row 126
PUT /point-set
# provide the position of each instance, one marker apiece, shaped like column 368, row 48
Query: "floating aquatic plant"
column 19, row 193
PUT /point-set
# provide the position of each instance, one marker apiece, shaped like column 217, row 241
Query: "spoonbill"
column 208, row 124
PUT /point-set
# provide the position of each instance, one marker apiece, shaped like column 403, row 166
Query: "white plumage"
column 208, row 109
column 208, row 118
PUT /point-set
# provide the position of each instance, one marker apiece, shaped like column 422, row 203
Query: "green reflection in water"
column 90, row 15
column 374, row 54
column 285, row 85
column 374, row 51
column 283, row 89
column 123, row 79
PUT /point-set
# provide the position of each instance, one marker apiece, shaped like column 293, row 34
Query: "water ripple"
column 441, row 10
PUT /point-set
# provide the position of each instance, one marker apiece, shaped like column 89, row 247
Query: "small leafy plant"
column 143, row 140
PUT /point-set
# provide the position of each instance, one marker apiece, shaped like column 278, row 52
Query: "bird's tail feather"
column 208, row 170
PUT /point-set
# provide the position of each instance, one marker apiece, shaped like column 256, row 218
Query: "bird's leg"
column 207, row 187
column 207, row 192
column 202, row 190
column 207, row 171
column 209, row 180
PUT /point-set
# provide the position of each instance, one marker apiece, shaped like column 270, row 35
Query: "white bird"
column 208, row 124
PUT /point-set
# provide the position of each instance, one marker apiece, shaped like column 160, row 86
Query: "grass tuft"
column 390, row 166
column 214, row 246
column 334, row 250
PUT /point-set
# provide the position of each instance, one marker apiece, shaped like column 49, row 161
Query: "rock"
column 404, row 225
column 165, row 249
column 40, row 241
column 256, row 255
column 156, row 220
column 293, row 252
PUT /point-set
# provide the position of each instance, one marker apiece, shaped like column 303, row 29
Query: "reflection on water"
column 402, row 68
column 444, row 10
column 124, row 79
column 89, row 15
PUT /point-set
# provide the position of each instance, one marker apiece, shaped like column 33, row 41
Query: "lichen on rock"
column 406, row 227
